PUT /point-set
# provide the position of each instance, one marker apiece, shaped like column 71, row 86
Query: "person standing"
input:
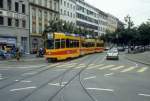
column 17, row 54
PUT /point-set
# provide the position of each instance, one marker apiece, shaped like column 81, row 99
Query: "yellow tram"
column 60, row 46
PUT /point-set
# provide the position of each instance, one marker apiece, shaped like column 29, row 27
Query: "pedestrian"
column 17, row 54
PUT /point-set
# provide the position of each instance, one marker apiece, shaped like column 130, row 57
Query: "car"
column 121, row 49
column 112, row 54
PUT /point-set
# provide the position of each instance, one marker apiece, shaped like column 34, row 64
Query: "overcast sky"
column 139, row 10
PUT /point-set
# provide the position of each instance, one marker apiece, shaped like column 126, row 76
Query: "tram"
column 61, row 46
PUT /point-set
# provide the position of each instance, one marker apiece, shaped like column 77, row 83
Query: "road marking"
column 95, row 66
column 59, row 69
column 3, row 69
column 16, row 80
column 128, row 69
column 22, row 89
column 106, row 75
column 101, row 89
column 24, row 81
column 58, row 84
column 106, row 67
column 116, row 68
column 142, row 69
column 1, row 78
column 92, row 77
column 79, row 67
column 146, row 95
column 91, row 64
column 30, row 73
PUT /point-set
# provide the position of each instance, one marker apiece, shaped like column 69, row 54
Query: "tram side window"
column 62, row 43
column 67, row 43
column 57, row 44
column 77, row 43
column 71, row 43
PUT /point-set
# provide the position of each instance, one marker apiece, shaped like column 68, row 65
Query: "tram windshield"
column 50, row 44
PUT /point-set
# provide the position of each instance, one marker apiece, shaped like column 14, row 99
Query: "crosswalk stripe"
column 106, row 67
column 116, row 68
column 128, row 69
column 95, row 66
column 142, row 69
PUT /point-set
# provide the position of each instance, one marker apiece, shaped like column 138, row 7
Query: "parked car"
column 112, row 54
column 121, row 49
column 4, row 54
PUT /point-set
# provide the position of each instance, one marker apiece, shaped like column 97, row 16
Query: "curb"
column 134, row 60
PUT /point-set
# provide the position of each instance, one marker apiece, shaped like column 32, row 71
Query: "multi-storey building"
column 112, row 23
column 87, row 16
column 102, row 23
column 14, row 29
column 67, row 9
column 41, row 12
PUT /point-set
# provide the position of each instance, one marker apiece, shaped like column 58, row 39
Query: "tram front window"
column 50, row 44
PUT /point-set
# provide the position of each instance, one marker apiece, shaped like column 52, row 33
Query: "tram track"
column 33, row 70
column 53, row 79
column 69, row 81
column 80, row 81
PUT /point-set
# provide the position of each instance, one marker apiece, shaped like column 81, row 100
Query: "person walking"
column 17, row 54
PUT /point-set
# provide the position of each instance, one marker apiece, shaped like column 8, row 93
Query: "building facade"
column 87, row 16
column 112, row 23
column 14, row 24
column 67, row 10
column 41, row 12
column 102, row 23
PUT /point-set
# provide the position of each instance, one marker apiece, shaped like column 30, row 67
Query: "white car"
column 112, row 54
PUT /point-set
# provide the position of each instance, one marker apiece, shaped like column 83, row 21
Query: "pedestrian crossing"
column 110, row 67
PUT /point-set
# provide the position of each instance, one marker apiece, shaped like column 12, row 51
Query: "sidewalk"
column 143, row 58
column 25, row 58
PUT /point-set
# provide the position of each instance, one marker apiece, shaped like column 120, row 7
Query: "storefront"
column 6, row 43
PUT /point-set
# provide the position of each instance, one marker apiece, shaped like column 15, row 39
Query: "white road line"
column 128, row 69
column 22, row 89
column 3, row 69
column 142, row 69
column 58, row 84
column 116, row 68
column 92, row 77
column 24, row 81
column 91, row 64
column 79, row 67
column 60, row 70
column 101, row 89
column 30, row 73
column 146, row 95
column 108, row 74
column 95, row 66
column 1, row 78
column 106, row 67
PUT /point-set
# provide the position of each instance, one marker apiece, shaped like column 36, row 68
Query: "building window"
column 1, row 20
column 50, row 4
column 55, row 6
column 16, row 22
column 23, row 8
column 40, row 2
column 23, row 23
column 9, row 21
column 64, row 3
column 64, row 12
column 9, row 4
column 1, row 4
column 45, row 3
column 40, row 15
column 16, row 6
column 68, row 13
column 68, row 5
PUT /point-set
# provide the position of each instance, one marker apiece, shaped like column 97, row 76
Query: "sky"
column 139, row 10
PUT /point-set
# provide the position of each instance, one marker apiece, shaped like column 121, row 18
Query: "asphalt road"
column 88, row 78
